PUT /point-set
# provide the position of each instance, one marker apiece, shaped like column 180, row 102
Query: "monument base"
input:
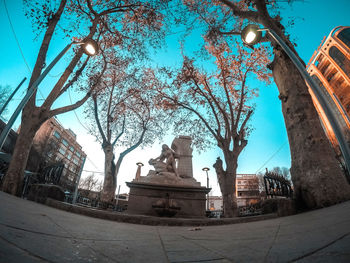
column 166, row 200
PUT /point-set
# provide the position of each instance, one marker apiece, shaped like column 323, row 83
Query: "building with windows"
column 215, row 203
column 59, row 145
column 247, row 189
column 330, row 68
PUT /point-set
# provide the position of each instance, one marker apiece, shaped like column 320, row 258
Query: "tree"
column 4, row 94
column 215, row 107
column 313, row 160
column 126, row 24
column 124, row 116
column 282, row 171
column 89, row 183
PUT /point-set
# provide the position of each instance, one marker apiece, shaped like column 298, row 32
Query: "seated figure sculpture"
column 169, row 165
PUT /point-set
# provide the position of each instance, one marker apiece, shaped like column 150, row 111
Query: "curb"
column 151, row 220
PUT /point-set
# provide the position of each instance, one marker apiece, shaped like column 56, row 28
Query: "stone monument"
column 169, row 189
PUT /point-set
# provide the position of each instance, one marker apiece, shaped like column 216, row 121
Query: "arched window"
column 340, row 59
column 344, row 36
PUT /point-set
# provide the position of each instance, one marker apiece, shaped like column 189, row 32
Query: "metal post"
column 207, row 193
column 11, row 96
column 116, row 202
column 316, row 89
column 77, row 183
column 28, row 95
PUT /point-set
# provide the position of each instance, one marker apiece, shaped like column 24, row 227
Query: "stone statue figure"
column 167, row 155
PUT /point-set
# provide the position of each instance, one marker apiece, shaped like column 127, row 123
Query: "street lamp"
column 90, row 48
column 252, row 34
column 138, row 172
column 206, row 169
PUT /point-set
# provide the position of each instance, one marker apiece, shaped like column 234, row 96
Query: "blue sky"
column 314, row 20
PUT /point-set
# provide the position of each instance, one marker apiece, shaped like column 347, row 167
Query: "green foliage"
column 5, row 92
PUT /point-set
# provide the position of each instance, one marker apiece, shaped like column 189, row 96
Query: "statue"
column 169, row 165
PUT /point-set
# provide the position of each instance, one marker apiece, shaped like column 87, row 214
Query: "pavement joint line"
column 320, row 248
column 26, row 251
column 67, row 237
column 273, row 242
column 34, row 232
column 162, row 243
column 206, row 248
column 200, row 260
column 81, row 241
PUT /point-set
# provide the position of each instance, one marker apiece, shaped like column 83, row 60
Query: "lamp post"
column 11, row 96
column 206, row 169
column 138, row 172
column 75, row 195
column 90, row 48
column 252, row 34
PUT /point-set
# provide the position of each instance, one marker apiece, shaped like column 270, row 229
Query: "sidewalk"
column 31, row 232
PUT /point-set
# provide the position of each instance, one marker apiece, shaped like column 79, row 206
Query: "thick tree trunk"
column 14, row 176
column 227, row 182
column 109, row 183
column 317, row 177
column 229, row 195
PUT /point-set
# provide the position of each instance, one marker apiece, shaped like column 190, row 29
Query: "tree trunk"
column 15, row 174
column 229, row 195
column 317, row 177
column 109, row 183
column 227, row 182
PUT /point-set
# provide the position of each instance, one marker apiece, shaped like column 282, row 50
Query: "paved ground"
column 31, row 232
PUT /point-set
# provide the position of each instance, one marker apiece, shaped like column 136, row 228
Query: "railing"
column 250, row 210
column 276, row 185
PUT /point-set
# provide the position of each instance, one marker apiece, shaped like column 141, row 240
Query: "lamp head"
column 251, row 35
column 139, row 164
column 90, row 47
column 205, row 169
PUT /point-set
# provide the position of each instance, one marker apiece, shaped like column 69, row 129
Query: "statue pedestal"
column 157, row 199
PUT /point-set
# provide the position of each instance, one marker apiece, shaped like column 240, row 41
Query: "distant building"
column 247, row 189
column 215, row 203
column 8, row 148
column 330, row 68
column 60, row 146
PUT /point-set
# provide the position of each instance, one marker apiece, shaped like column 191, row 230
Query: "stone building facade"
column 59, row 145
column 247, row 189
column 330, row 68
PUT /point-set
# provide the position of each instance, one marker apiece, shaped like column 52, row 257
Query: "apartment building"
column 247, row 189
column 59, row 145
column 330, row 68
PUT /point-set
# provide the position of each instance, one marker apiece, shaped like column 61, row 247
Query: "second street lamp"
column 206, row 169
column 90, row 48
column 251, row 35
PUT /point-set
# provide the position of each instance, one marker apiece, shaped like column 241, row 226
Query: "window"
column 239, row 182
column 57, row 134
column 340, row 59
column 71, row 148
column 78, row 154
column 75, row 160
column 62, row 151
column 344, row 36
column 69, row 156
column 65, row 142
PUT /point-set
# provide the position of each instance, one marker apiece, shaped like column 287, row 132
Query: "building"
column 247, row 189
column 329, row 66
column 8, row 148
column 215, row 203
column 59, row 145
